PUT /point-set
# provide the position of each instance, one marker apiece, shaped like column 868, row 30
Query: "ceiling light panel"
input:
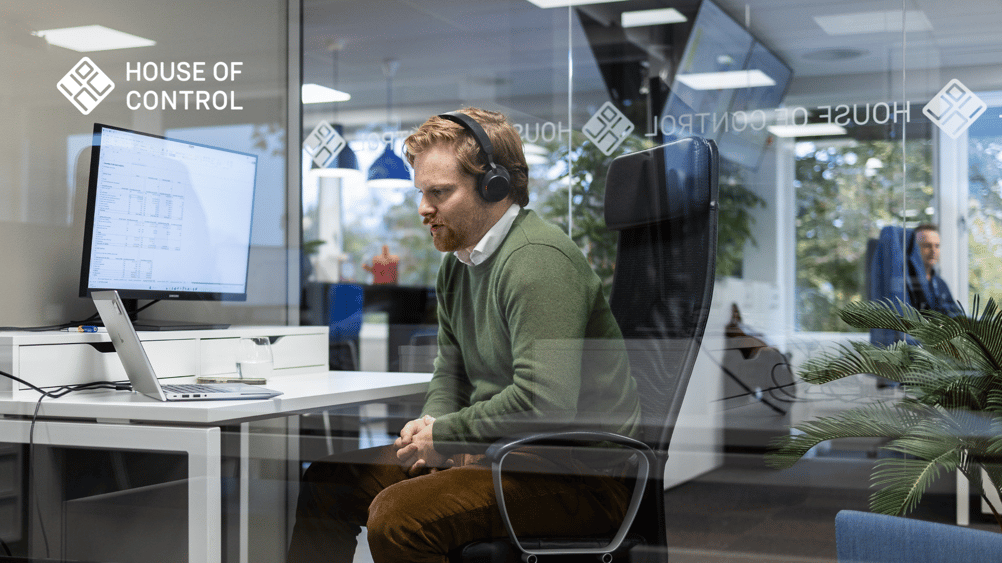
column 808, row 130
column 317, row 94
column 90, row 38
column 565, row 3
column 726, row 80
column 652, row 17
column 886, row 21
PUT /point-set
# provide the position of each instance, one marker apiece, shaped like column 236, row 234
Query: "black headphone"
column 495, row 183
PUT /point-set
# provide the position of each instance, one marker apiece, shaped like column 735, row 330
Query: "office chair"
column 345, row 321
column 344, row 318
column 865, row 537
column 663, row 203
column 889, row 256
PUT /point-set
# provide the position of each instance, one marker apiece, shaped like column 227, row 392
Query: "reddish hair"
column 506, row 144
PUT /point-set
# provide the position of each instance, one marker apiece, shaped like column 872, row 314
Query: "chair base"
column 503, row 551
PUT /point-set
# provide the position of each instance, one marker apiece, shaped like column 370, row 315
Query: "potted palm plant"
column 949, row 417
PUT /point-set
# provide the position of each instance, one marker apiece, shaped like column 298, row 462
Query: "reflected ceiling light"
column 807, row 130
column 565, row 3
column 652, row 17
column 885, row 21
column 534, row 154
column 90, row 38
column 317, row 94
column 726, row 80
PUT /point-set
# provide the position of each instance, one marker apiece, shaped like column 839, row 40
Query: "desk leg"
column 268, row 488
column 204, row 496
column 244, row 490
column 293, row 472
column 201, row 444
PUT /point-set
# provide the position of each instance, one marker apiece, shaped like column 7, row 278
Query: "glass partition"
column 840, row 128
column 194, row 72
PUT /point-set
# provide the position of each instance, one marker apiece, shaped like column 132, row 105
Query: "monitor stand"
column 132, row 306
column 151, row 324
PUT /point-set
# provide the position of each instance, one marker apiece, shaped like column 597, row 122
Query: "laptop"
column 140, row 371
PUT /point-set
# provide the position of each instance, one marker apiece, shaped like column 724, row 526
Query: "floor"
column 744, row 512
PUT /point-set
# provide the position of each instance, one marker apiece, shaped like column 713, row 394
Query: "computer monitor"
column 167, row 218
column 718, row 44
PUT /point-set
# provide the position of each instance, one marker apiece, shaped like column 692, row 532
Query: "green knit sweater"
column 526, row 342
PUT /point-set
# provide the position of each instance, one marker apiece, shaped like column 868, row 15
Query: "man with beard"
column 526, row 341
column 928, row 290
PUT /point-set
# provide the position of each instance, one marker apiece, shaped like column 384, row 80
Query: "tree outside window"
column 846, row 191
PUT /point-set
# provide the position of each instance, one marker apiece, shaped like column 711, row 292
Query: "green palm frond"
column 983, row 334
column 870, row 421
column 950, row 418
column 902, row 482
column 937, row 444
column 936, row 432
column 925, row 372
column 993, row 446
column 936, row 330
column 969, row 351
column 880, row 314
column 993, row 401
column 935, row 380
column 859, row 357
column 973, row 339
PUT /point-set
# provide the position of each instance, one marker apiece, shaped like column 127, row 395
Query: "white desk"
column 121, row 420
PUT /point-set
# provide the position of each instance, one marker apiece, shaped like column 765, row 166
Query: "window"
column 844, row 195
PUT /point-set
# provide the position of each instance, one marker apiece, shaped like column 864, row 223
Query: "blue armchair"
column 864, row 537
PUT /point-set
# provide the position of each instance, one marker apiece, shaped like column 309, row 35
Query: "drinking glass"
column 254, row 358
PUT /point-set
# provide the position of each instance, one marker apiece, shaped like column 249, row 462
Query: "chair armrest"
column 566, row 437
column 500, row 449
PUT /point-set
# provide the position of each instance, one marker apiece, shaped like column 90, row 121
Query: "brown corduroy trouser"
column 420, row 519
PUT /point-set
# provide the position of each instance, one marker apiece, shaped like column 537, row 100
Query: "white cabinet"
column 50, row 359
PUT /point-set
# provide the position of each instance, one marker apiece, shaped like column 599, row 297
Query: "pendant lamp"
column 345, row 164
column 389, row 170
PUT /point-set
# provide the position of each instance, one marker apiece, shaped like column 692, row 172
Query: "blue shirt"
column 938, row 296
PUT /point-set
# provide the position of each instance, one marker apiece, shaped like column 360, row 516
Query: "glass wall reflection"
column 835, row 124
column 192, row 72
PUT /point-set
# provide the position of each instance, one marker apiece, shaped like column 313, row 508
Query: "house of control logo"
column 607, row 128
column 954, row 108
column 324, row 144
column 85, row 85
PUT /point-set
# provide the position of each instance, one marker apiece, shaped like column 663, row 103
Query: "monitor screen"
column 747, row 145
column 167, row 219
column 734, row 116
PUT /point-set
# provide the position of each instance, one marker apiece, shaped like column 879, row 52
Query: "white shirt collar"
column 490, row 241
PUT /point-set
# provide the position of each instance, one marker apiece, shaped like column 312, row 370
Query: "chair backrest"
column 878, row 538
column 345, row 319
column 663, row 202
column 894, row 260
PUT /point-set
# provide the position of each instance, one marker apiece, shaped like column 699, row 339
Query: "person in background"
column 928, row 290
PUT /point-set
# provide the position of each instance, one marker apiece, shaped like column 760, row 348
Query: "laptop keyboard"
column 193, row 388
